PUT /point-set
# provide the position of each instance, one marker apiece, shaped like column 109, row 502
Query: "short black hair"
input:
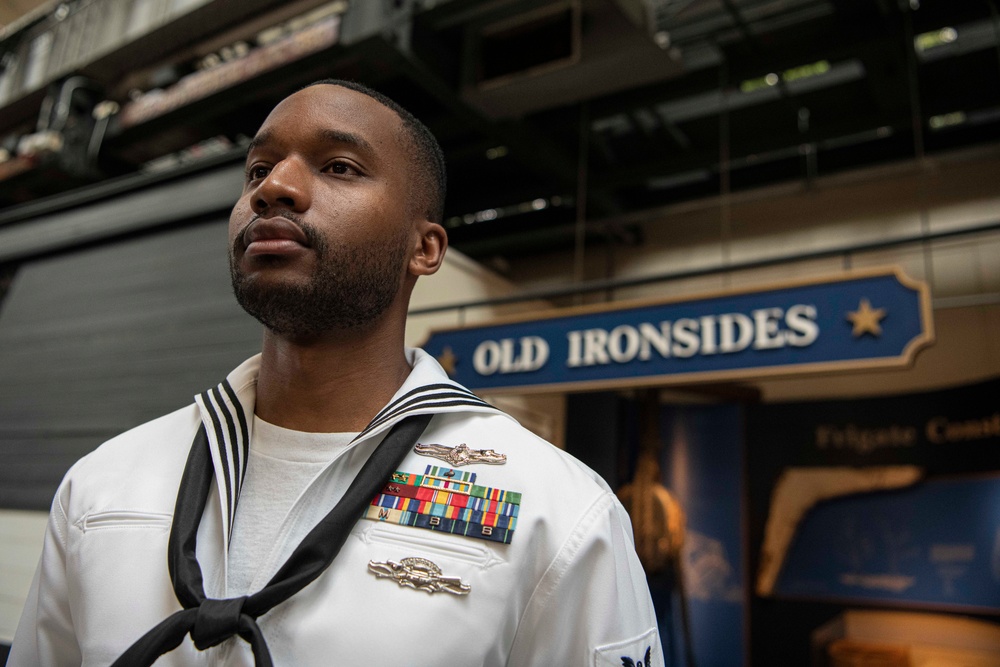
column 425, row 151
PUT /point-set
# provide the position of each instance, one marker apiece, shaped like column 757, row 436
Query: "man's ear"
column 431, row 244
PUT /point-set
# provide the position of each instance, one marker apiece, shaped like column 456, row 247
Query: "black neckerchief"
column 212, row 621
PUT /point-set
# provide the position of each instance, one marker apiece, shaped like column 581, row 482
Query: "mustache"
column 312, row 236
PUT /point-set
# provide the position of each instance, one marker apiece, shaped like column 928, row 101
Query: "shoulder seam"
column 57, row 505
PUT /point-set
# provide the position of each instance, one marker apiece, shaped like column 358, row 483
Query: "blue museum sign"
column 872, row 319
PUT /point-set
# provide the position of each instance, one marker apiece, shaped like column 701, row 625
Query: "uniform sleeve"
column 45, row 633
column 592, row 606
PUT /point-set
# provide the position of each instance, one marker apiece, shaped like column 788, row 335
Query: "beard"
column 349, row 290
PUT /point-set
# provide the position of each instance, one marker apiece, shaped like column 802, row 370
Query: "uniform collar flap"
column 227, row 415
column 427, row 389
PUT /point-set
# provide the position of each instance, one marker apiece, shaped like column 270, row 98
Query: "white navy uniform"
column 567, row 589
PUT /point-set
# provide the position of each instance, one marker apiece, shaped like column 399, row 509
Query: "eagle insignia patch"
column 629, row 662
column 639, row 651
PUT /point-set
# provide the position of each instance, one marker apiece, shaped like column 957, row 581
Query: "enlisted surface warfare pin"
column 461, row 455
column 418, row 573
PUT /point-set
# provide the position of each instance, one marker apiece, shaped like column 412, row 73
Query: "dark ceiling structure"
column 549, row 112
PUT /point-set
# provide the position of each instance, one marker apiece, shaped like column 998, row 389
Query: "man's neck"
column 330, row 385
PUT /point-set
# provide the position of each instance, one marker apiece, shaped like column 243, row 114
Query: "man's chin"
column 272, row 271
column 294, row 314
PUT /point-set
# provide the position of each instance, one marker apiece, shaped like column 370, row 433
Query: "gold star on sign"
column 866, row 319
column 448, row 361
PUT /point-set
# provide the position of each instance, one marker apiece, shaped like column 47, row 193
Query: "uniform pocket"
column 415, row 542
column 111, row 519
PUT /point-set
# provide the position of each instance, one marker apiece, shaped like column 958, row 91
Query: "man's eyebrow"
column 329, row 136
column 259, row 140
column 332, row 136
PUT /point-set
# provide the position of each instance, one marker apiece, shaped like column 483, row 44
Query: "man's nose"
column 285, row 186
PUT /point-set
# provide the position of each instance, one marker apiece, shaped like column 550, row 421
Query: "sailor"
column 337, row 499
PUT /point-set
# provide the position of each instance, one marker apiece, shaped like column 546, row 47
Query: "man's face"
column 320, row 237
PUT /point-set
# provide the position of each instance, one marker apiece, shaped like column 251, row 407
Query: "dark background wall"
column 98, row 340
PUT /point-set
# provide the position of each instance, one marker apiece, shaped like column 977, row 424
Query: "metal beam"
column 592, row 286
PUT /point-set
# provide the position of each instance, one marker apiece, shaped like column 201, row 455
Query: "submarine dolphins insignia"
column 418, row 573
column 461, row 455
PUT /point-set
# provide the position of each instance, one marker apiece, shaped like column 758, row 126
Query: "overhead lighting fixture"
column 789, row 75
column 949, row 41
column 489, row 214
column 806, row 71
column 944, row 120
column 799, row 80
column 856, row 138
column 496, row 152
column 982, row 116
column 677, row 180
column 935, row 38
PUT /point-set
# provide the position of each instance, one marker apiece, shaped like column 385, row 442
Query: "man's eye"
column 342, row 168
column 256, row 173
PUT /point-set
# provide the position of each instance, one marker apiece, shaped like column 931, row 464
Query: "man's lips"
column 274, row 236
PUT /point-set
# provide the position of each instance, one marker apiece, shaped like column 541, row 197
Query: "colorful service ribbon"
column 448, row 501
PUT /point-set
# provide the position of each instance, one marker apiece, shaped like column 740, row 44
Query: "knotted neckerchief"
column 212, row 621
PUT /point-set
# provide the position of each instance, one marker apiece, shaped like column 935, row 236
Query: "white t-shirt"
column 280, row 466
